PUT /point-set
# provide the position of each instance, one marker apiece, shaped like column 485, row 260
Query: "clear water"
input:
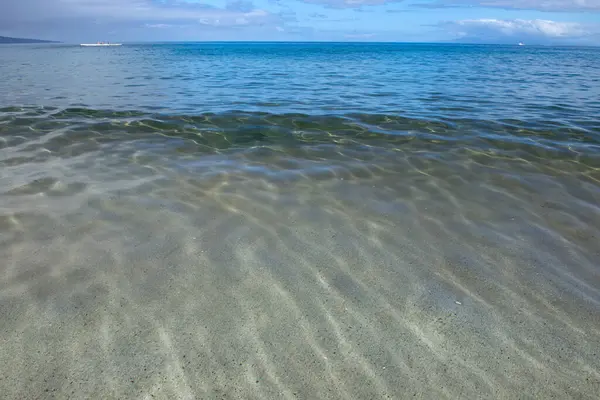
column 299, row 221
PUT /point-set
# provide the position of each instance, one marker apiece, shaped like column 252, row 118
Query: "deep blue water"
column 421, row 80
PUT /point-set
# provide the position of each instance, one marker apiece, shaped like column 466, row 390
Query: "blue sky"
column 487, row 21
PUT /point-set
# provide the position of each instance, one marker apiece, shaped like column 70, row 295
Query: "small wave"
column 239, row 128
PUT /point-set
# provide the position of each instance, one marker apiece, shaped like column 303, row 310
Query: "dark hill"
column 5, row 39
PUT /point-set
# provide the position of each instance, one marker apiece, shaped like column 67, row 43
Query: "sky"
column 474, row 21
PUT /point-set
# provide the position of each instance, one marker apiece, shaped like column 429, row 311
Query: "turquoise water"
column 412, row 80
column 265, row 220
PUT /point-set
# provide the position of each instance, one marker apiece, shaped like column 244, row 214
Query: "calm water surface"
column 307, row 221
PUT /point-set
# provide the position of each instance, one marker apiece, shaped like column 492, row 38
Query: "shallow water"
column 311, row 245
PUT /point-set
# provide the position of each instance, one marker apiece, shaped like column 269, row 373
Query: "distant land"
column 6, row 39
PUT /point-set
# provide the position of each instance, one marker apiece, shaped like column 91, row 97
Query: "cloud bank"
column 539, row 5
column 93, row 18
column 158, row 20
column 169, row 10
column 534, row 31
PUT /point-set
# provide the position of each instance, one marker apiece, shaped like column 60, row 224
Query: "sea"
column 299, row 221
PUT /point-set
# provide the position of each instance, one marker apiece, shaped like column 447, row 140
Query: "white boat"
column 521, row 44
column 99, row 44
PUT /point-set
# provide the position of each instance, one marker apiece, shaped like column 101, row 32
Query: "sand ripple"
column 360, row 257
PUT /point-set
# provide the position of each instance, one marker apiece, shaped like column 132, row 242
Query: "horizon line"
column 449, row 42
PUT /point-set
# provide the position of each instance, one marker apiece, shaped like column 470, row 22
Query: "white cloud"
column 536, row 30
column 129, row 10
column 520, row 26
column 350, row 3
column 540, row 5
column 83, row 20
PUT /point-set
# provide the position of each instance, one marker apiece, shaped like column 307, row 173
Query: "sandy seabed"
column 354, row 277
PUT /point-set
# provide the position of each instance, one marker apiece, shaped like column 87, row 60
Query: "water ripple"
column 257, row 253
